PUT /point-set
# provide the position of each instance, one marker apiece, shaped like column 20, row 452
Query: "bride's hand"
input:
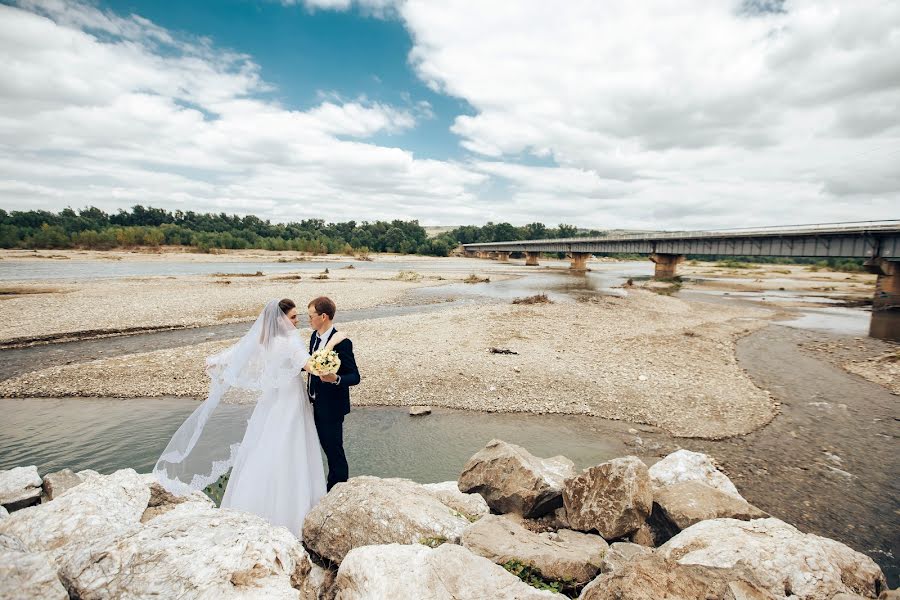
column 336, row 339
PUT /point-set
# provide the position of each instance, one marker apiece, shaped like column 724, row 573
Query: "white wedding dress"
column 275, row 458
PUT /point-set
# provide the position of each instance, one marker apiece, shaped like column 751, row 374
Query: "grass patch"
column 533, row 577
column 287, row 278
column 733, row 264
column 408, row 276
column 432, row 542
column 536, row 299
column 321, row 276
column 238, row 313
column 473, row 278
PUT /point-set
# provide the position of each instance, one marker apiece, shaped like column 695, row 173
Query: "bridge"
column 877, row 242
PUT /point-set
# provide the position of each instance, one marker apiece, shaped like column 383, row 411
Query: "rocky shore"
column 512, row 526
column 644, row 358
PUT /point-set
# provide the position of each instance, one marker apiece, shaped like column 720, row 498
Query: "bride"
column 276, row 464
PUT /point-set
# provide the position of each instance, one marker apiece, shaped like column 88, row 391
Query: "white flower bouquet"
column 324, row 362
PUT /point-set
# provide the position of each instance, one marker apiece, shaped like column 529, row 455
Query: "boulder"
column 448, row 572
column 162, row 501
column 785, row 560
column 684, row 465
column 19, row 487
column 25, row 574
column 193, row 551
column 511, row 479
column 419, row 411
column 95, row 509
column 368, row 510
column 3, row 512
column 653, row 578
column 620, row 554
column 613, row 498
column 889, row 595
column 689, row 502
column 471, row 506
column 561, row 556
column 58, row 482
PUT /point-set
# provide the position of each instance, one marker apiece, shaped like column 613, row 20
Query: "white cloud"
column 709, row 114
column 693, row 114
column 138, row 115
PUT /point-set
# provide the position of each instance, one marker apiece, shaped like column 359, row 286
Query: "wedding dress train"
column 274, row 456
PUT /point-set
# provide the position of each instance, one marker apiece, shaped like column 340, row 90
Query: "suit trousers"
column 331, row 437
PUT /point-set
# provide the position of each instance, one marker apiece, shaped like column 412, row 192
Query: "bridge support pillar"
column 503, row 256
column 531, row 259
column 579, row 261
column 666, row 264
column 887, row 286
column 471, row 254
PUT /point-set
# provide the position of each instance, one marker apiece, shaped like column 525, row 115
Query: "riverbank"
column 645, row 358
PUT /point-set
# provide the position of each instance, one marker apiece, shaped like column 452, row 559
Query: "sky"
column 662, row 114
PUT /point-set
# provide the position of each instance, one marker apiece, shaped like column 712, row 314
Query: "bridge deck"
column 866, row 239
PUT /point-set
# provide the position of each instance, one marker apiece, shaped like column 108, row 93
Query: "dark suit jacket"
column 333, row 400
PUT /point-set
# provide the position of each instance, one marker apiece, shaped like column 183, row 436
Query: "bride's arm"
column 336, row 339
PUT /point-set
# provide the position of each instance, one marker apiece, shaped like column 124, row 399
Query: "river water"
column 785, row 468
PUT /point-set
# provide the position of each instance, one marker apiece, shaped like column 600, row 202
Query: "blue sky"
column 612, row 114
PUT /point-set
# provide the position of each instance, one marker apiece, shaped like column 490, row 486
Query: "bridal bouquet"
column 324, row 362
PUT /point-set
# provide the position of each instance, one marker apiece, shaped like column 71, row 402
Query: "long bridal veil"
column 204, row 448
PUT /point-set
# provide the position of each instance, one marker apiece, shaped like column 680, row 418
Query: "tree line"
column 92, row 228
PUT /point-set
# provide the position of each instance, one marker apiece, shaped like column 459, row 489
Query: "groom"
column 330, row 394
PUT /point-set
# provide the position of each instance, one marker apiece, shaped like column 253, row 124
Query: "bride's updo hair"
column 286, row 305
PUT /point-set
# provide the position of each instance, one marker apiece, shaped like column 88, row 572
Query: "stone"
column 19, row 485
column 784, row 560
column 419, row 411
column 889, row 595
column 448, row 572
column 620, row 554
column 644, row 535
column 613, row 498
column 162, row 501
column 58, row 482
column 471, row 506
column 192, row 551
column 3, row 512
column 689, row 502
column 368, row 510
column 653, row 578
column 684, row 465
column 560, row 556
column 95, row 509
column 25, row 574
column 510, row 479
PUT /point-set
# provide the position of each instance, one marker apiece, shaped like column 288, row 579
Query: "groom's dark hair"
column 286, row 305
column 324, row 306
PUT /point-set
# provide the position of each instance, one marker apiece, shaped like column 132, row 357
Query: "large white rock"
column 448, row 572
column 3, row 512
column 369, row 510
column 512, row 480
column 471, row 506
column 25, row 574
column 689, row 502
column 564, row 555
column 785, row 560
column 95, row 509
column 684, row 465
column 193, row 551
column 19, row 484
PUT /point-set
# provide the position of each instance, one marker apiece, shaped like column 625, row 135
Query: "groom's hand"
column 328, row 378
